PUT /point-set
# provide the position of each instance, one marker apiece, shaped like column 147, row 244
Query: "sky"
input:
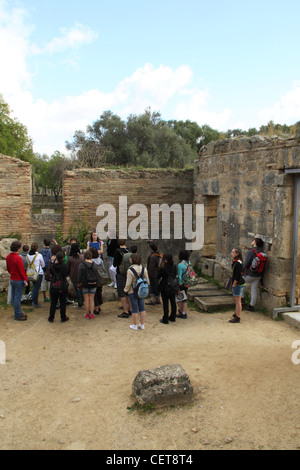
column 226, row 63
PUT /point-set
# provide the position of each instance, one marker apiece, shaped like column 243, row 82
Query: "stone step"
column 293, row 318
column 206, row 293
column 214, row 302
column 203, row 287
column 201, row 281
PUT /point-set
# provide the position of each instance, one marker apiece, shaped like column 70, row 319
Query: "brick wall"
column 85, row 190
column 15, row 196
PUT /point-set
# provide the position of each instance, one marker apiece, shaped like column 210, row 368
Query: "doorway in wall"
column 211, row 204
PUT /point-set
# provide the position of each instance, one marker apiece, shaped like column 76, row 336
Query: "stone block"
column 5, row 246
column 207, row 266
column 163, row 386
column 214, row 302
column 221, row 274
column 4, row 280
column 292, row 318
column 270, row 301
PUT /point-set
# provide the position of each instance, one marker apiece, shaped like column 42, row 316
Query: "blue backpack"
column 141, row 289
column 46, row 253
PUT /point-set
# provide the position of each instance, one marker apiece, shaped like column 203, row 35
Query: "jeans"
column 79, row 294
column 237, row 291
column 137, row 305
column 35, row 290
column 254, row 282
column 16, row 293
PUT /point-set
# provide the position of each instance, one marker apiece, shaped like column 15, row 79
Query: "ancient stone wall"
column 241, row 182
column 245, row 190
column 15, row 197
column 85, row 190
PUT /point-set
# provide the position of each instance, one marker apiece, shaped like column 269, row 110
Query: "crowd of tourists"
column 49, row 271
column 161, row 281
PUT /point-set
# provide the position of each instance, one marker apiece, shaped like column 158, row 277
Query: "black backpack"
column 56, row 282
column 169, row 281
column 172, row 286
column 91, row 275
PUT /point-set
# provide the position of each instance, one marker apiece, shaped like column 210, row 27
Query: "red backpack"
column 259, row 262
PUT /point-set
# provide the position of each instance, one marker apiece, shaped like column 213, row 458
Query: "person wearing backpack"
column 75, row 258
column 23, row 255
column 98, row 301
column 35, row 260
column 112, row 246
column 253, row 278
column 122, row 263
column 87, row 281
column 134, row 274
column 182, row 270
column 154, row 262
column 46, row 254
column 169, row 287
column 59, row 271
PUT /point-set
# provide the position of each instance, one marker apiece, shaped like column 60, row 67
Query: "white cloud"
column 195, row 108
column 71, row 38
column 151, row 87
column 50, row 124
column 14, row 50
column 287, row 110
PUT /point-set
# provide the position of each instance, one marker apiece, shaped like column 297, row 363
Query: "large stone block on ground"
column 163, row 386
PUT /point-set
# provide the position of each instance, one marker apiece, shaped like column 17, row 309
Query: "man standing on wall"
column 251, row 277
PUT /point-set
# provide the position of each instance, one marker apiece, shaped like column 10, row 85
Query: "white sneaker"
column 133, row 327
column 112, row 284
column 142, row 327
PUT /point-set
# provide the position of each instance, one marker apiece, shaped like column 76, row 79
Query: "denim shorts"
column 238, row 290
column 88, row 290
column 137, row 305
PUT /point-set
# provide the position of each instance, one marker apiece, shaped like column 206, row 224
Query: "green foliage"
column 80, row 230
column 49, row 171
column 59, row 235
column 141, row 409
column 14, row 139
column 3, row 301
column 145, row 140
column 17, row 236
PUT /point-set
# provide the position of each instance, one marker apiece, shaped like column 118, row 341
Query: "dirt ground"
column 68, row 385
